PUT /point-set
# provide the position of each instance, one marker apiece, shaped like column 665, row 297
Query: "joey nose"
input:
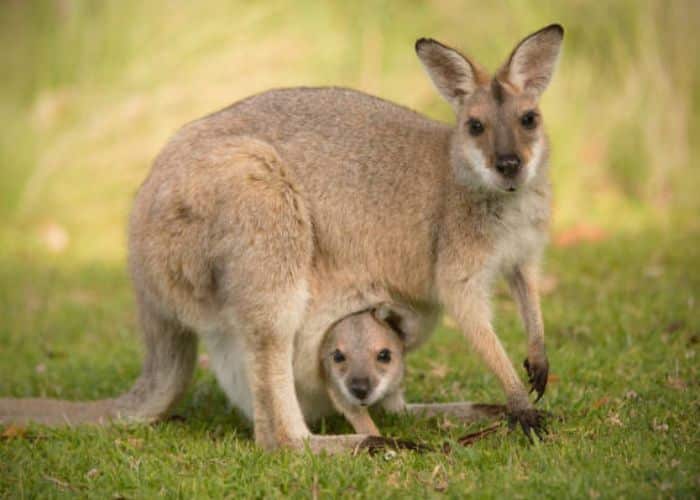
column 359, row 387
column 508, row 165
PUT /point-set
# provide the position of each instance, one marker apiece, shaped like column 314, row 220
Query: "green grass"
column 623, row 335
column 90, row 92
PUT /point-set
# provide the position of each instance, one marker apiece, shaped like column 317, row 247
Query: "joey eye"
column 529, row 120
column 384, row 356
column 338, row 356
column 475, row 127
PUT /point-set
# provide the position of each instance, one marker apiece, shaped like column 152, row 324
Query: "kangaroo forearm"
column 523, row 283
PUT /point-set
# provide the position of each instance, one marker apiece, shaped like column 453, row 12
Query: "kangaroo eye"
column 475, row 127
column 384, row 356
column 529, row 120
column 338, row 356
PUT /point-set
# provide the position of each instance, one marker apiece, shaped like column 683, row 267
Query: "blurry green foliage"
column 91, row 90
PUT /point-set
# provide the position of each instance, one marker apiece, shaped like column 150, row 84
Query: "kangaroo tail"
column 56, row 412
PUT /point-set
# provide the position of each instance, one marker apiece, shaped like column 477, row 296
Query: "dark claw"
column 531, row 421
column 375, row 444
column 537, row 374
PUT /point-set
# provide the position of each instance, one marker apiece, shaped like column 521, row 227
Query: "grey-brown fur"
column 261, row 224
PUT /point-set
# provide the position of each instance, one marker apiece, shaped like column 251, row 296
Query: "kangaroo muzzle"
column 508, row 165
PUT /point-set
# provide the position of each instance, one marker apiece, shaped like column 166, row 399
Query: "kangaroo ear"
column 402, row 320
column 531, row 64
column 453, row 74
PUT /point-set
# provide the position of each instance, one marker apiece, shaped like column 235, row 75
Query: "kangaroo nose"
column 359, row 387
column 508, row 165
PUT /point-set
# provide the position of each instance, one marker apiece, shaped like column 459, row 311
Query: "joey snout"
column 359, row 387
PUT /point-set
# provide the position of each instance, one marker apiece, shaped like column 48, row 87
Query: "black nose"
column 359, row 387
column 508, row 165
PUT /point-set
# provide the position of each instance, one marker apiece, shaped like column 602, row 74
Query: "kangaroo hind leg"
column 265, row 244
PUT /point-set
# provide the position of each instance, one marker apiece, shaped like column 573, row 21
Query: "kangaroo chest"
column 492, row 236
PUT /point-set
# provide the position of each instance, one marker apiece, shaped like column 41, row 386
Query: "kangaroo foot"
column 531, row 421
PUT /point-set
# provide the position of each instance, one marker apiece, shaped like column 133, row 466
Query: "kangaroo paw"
column 537, row 372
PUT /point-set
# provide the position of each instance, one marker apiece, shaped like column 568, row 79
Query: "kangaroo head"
column 362, row 357
column 499, row 142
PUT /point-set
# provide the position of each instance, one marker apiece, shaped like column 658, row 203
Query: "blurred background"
column 91, row 91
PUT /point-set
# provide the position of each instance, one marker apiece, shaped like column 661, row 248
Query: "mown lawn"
column 89, row 93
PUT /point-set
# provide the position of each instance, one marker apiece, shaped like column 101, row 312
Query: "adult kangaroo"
column 261, row 224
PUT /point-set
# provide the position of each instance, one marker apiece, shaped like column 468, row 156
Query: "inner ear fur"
column 452, row 73
column 387, row 316
column 531, row 64
column 401, row 319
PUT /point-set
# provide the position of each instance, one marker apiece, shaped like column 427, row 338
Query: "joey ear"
column 402, row 320
column 453, row 74
column 531, row 64
column 386, row 314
